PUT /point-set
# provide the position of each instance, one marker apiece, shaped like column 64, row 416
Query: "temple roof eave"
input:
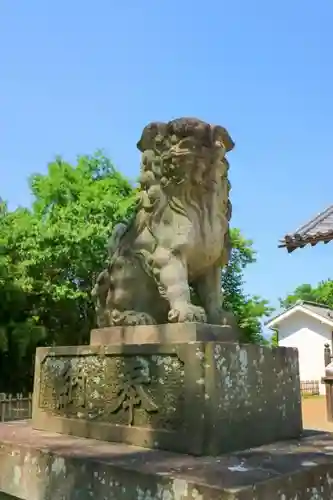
column 317, row 230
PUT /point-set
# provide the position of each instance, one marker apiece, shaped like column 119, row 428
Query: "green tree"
column 274, row 340
column 51, row 254
column 75, row 208
column 249, row 310
column 320, row 294
column 19, row 329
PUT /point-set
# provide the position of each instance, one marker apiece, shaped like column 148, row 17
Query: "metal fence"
column 310, row 387
column 18, row 407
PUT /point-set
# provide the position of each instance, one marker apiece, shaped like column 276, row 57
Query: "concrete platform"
column 39, row 465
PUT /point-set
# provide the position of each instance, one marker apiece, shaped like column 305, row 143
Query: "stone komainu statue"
column 179, row 235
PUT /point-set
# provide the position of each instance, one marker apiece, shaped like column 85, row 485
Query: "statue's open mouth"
column 177, row 153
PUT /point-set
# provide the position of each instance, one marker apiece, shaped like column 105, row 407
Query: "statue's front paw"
column 187, row 314
column 131, row 318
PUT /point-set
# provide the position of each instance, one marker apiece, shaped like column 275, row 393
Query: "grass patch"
column 312, row 396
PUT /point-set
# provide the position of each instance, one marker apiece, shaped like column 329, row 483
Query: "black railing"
column 310, row 387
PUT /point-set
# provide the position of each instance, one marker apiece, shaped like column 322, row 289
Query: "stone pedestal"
column 202, row 398
column 164, row 334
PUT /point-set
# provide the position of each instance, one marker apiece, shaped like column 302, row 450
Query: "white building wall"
column 309, row 336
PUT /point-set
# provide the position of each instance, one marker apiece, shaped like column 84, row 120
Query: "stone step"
column 39, row 465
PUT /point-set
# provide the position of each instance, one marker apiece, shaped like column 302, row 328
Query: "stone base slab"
column 202, row 398
column 164, row 334
column 37, row 465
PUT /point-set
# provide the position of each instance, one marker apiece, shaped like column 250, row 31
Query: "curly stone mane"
column 183, row 164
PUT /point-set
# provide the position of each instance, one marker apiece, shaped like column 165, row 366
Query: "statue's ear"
column 221, row 134
column 147, row 139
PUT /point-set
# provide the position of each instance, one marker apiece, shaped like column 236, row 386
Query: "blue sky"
column 78, row 76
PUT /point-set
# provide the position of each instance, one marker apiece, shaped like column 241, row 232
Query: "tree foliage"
column 320, row 294
column 51, row 253
column 249, row 310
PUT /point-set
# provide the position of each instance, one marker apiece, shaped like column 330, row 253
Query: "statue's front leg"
column 173, row 278
column 209, row 290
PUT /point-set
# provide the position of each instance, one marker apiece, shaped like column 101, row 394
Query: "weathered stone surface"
column 38, row 465
column 199, row 398
column 164, row 334
column 178, row 235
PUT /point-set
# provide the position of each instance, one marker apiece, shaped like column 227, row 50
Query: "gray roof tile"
column 318, row 229
column 319, row 309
